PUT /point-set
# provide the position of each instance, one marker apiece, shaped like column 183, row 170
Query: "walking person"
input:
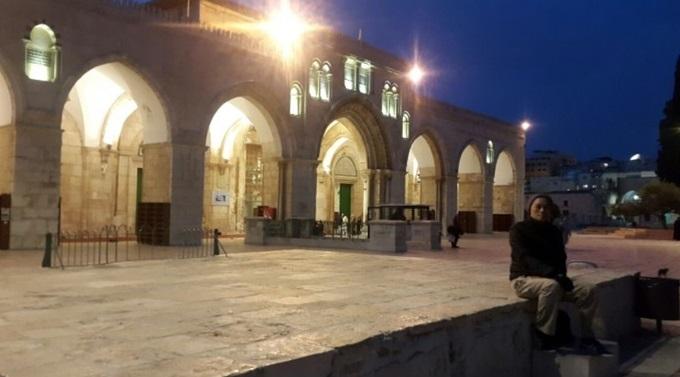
column 453, row 232
column 538, row 271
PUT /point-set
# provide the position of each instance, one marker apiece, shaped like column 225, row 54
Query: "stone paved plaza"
column 220, row 316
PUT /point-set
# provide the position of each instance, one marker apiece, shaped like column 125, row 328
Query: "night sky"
column 591, row 75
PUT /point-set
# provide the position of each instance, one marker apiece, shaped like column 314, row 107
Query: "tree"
column 659, row 198
column 668, row 161
column 628, row 210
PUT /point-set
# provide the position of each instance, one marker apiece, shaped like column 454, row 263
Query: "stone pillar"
column 485, row 224
column 300, row 192
column 397, row 180
column 450, row 199
column 388, row 235
column 186, row 209
column 35, row 197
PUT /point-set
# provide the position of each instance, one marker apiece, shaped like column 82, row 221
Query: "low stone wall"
column 490, row 342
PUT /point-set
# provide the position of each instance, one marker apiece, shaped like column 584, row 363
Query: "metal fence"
column 113, row 244
column 319, row 229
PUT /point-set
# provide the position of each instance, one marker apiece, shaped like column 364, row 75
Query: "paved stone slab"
column 222, row 316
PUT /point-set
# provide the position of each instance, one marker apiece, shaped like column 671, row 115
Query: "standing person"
column 538, row 271
column 454, row 231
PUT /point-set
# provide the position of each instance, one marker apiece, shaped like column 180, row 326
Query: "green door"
column 346, row 200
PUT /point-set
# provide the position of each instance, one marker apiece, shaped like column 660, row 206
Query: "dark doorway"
column 5, row 208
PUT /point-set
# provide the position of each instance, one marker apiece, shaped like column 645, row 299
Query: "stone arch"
column 504, row 191
column 367, row 120
column 339, row 193
column 137, row 81
column 242, row 163
column 101, row 178
column 424, row 170
column 471, row 173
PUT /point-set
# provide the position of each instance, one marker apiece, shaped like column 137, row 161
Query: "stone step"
column 559, row 364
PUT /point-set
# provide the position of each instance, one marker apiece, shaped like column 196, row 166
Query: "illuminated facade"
column 104, row 105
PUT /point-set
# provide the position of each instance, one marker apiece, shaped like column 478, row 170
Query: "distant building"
column 545, row 163
column 587, row 191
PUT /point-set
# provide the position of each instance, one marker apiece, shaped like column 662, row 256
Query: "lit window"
column 394, row 103
column 489, row 152
column 386, row 99
column 350, row 74
column 390, row 100
column 365, row 77
column 296, row 100
column 405, row 125
column 326, row 82
column 314, row 75
column 41, row 55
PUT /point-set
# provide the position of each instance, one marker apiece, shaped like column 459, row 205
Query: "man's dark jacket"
column 537, row 250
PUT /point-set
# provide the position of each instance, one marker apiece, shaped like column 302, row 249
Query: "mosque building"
column 187, row 112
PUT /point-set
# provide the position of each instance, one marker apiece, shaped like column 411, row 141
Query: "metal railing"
column 114, row 244
column 319, row 229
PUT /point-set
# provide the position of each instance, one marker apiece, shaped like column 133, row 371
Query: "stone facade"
column 57, row 144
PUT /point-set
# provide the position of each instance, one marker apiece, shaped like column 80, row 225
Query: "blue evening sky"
column 591, row 75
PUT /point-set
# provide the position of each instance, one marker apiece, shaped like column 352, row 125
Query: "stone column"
column 300, row 192
column 6, row 159
column 397, row 180
column 450, row 199
column 35, row 196
column 186, row 190
column 157, row 173
column 485, row 224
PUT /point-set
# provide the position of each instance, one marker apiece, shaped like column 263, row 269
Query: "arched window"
column 406, row 125
column 394, row 103
column 365, row 77
column 350, row 73
column 489, row 152
column 296, row 100
column 41, row 57
column 325, row 82
column 390, row 100
column 386, row 98
column 314, row 76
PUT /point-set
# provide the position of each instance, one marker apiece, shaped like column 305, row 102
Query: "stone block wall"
column 157, row 173
column 504, row 199
column 6, row 159
column 470, row 192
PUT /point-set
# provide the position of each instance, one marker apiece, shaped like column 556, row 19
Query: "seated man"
column 538, row 271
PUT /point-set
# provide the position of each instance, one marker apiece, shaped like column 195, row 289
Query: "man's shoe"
column 593, row 347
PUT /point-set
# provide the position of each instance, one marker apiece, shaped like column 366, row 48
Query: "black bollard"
column 47, row 258
column 216, row 242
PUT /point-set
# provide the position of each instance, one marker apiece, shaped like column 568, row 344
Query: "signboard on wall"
column 220, row 198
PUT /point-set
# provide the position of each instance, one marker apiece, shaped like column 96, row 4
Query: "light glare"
column 526, row 125
column 416, row 74
column 286, row 29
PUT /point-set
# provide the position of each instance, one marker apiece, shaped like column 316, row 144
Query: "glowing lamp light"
column 635, row 157
column 416, row 74
column 285, row 28
column 525, row 125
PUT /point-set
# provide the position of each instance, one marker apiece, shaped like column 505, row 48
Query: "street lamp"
column 285, row 28
column 525, row 125
column 416, row 74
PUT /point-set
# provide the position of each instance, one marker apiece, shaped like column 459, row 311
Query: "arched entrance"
column 241, row 165
column 504, row 193
column 470, row 189
column 423, row 171
column 113, row 127
column 342, row 187
column 6, row 136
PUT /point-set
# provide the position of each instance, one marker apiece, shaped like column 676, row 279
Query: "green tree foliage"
column 668, row 161
column 659, row 198
column 628, row 210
